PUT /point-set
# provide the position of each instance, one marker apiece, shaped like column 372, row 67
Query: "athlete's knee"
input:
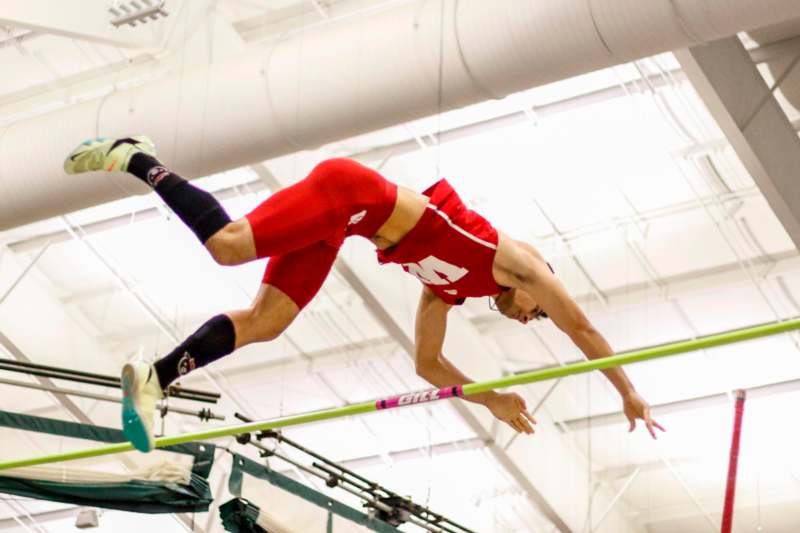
column 269, row 332
column 233, row 244
column 258, row 326
column 266, row 319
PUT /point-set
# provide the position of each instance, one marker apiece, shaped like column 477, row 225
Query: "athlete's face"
column 518, row 305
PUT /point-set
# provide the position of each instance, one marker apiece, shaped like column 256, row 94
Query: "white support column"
column 76, row 19
column 739, row 99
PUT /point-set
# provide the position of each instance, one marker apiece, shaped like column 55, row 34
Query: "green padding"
column 244, row 465
column 134, row 496
column 60, row 427
column 203, row 452
column 240, row 516
column 137, row 496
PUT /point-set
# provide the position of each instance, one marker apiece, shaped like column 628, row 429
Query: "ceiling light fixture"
column 136, row 12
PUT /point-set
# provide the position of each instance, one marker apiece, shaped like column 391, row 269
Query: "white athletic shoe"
column 107, row 154
column 141, row 392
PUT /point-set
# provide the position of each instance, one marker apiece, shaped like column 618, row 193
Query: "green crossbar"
column 626, row 358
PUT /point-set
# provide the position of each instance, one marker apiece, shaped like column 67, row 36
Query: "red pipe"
column 733, row 463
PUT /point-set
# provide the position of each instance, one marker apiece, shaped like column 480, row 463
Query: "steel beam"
column 515, row 118
column 692, row 496
column 744, row 107
column 616, row 498
column 628, row 296
column 74, row 19
column 203, row 414
column 776, row 50
column 688, row 404
column 41, row 517
column 442, row 448
column 769, row 503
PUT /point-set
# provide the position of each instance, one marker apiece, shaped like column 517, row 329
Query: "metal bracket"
column 136, row 11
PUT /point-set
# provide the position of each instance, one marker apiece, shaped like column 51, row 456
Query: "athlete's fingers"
column 514, row 426
column 649, row 422
column 529, row 416
column 529, row 426
column 659, row 426
column 525, row 424
column 633, row 425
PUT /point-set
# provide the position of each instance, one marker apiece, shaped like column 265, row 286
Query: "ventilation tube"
column 351, row 77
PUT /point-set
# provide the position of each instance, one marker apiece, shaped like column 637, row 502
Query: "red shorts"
column 301, row 228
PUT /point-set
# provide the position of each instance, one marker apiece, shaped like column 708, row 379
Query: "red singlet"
column 451, row 249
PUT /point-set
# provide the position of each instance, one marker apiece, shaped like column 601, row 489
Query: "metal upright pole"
column 733, row 462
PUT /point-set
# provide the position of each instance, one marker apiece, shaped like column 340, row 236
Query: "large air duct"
column 351, row 77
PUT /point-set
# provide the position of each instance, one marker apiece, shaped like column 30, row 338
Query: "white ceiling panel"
column 637, row 201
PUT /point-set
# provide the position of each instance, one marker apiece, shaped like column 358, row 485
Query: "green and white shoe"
column 104, row 153
column 140, row 394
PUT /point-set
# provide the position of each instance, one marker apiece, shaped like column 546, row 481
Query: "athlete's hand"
column 635, row 408
column 511, row 409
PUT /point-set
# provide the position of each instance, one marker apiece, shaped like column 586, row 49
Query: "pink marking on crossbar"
column 419, row 397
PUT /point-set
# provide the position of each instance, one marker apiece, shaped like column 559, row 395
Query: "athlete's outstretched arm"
column 521, row 266
column 434, row 367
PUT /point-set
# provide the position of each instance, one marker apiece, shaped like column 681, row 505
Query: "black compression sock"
column 195, row 207
column 213, row 340
column 140, row 166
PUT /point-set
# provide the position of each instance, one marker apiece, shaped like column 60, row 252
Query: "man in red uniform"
column 452, row 250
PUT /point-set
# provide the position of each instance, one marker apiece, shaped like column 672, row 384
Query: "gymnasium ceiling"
column 621, row 177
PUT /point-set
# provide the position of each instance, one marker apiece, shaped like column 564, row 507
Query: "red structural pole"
column 733, row 463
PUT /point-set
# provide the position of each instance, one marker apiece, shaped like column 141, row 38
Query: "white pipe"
column 350, row 77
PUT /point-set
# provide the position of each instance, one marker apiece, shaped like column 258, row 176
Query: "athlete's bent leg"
column 269, row 316
column 143, row 384
column 290, row 282
column 233, row 244
column 198, row 209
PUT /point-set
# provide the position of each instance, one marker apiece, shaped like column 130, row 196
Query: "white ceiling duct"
column 350, row 77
